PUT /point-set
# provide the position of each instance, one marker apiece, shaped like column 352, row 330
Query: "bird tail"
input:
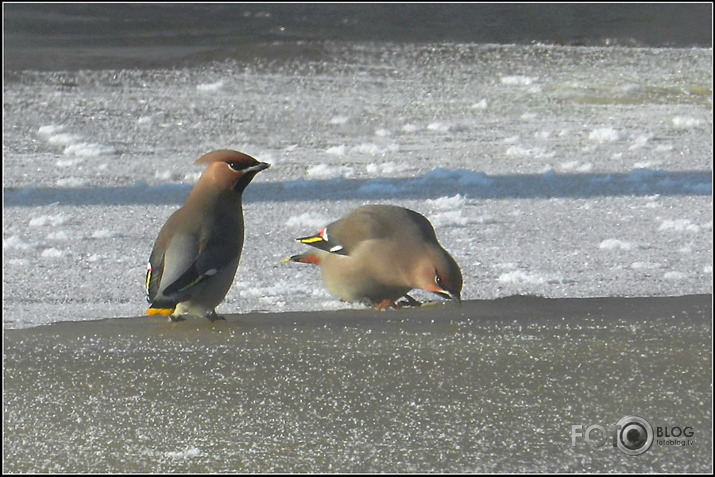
column 306, row 257
column 321, row 241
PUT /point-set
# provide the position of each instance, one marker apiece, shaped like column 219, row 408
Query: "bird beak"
column 456, row 297
column 449, row 295
column 258, row 167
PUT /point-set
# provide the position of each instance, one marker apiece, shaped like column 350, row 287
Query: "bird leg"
column 384, row 305
column 387, row 304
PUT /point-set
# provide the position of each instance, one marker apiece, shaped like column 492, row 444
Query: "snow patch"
column 104, row 234
column 410, row 128
column 337, row 150
column 210, row 86
column 84, row 149
column 63, row 139
column 640, row 141
column 53, row 220
column 449, row 218
column 577, row 166
column 645, row 265
column 73, row 182
column 168, row 175
column 383, row 133
column 184, row 454
column 52, row 253
column 60, row 235
column 481, row 104
column 615, row 244
column 679, row 225
column 440, row 126
column 325, row 171
column 385, row 168
column 307, row 220
column 535, row 152
column 372, row 149
column 18, row 243
column 519, row 277
column 339, row 120
column 605, row 135
column 50, row 130
column 687, row 122
column 518, row 80
column 447, row 203
column 69, row 162
column 74, row 144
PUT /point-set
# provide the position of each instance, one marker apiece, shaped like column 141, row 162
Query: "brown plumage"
column 378, row 253
column 196, row 254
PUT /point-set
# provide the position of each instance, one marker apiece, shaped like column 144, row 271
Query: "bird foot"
column 212, row 316
column 408, row 301
column 175, row 318
column 402, row 302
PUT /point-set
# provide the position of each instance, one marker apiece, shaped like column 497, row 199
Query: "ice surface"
column 490, row 386
column 553, row 171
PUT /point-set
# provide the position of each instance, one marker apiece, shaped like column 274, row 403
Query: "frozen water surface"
column 492, row 386
column 560, row 172
column 551, row 151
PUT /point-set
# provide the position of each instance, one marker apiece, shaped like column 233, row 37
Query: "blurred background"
column 70, row 36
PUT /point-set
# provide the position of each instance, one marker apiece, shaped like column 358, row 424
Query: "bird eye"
column 237, row 166
column 438, row 280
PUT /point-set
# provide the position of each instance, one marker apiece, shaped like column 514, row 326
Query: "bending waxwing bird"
column 378, row 253
column 196, row 254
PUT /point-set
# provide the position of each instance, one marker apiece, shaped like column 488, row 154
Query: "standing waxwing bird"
column 378, row 253
column 196, row 254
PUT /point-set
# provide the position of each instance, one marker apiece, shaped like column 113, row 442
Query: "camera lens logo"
column 634, row 435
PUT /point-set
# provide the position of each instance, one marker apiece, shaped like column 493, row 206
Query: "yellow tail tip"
column 159, row 311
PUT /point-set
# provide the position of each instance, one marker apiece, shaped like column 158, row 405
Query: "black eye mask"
column 238, row 166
